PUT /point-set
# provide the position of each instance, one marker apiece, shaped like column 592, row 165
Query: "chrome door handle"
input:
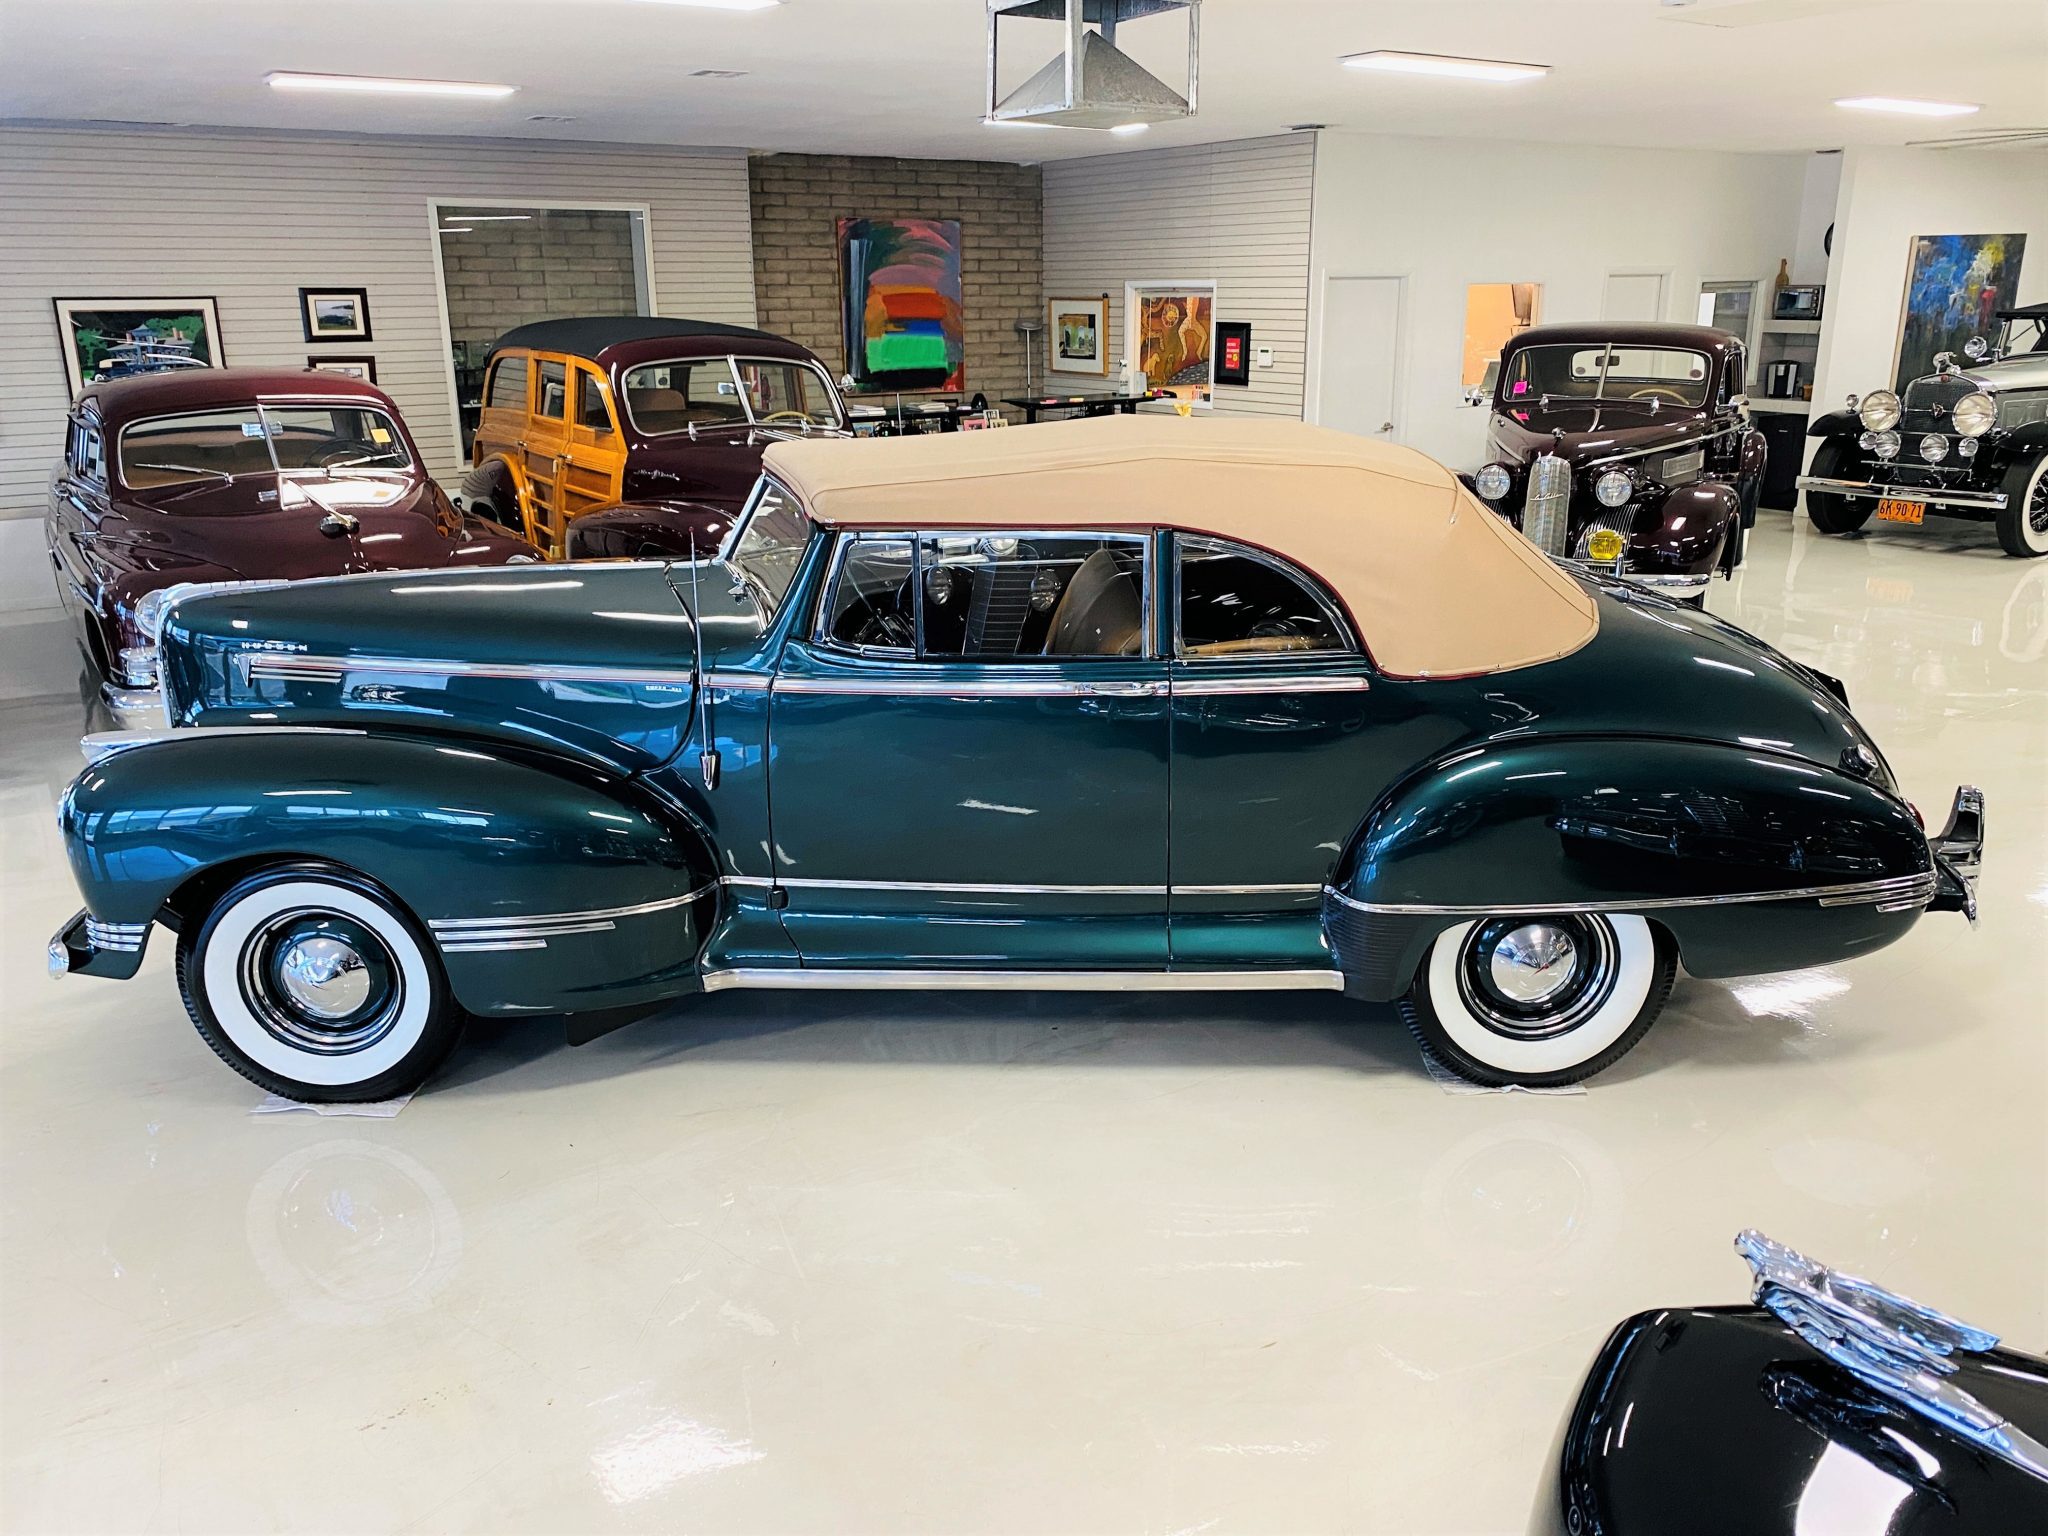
column 1121, row 690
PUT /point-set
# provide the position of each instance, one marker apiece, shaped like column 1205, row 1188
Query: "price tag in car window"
column 252, row 429
column 380, row 434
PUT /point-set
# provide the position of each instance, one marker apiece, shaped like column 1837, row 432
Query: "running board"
column 1027, row 981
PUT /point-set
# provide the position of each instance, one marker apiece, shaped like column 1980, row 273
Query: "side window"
column 873, row 605
column 94, row 454
column 590, row 409
column 1238, row 602
column 508, row 385
column 554, row 391
column 673, row 397
column 1011, row 597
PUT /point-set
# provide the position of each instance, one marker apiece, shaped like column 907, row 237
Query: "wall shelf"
column 1786, row 407
column 1791, row 328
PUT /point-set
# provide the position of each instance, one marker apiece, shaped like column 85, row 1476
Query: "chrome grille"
column 1928, row 403
column 1546, row 512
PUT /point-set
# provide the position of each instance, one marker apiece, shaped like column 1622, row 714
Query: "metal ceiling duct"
column 1090, row 83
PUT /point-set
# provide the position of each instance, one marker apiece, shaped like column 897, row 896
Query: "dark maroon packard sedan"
column 235, row 474
column 1627, row 447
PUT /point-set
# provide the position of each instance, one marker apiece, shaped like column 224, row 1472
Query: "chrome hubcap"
column 1533, row 962
column 321, row 982
column 1530, row 978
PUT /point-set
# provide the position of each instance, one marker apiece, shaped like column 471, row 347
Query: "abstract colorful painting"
column 1955, row 284
column 1173, row 341
column 900, row 293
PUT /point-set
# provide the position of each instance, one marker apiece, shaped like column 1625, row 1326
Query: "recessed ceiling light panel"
column 1443, row 64
column 1907, row 106
column 372, row 85
column 724, row 5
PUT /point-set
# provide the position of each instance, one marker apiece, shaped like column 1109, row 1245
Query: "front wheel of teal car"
column 1541, row 1000
column 315, row 985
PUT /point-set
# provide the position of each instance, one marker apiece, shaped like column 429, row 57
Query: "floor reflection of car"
column 1626, row 447
column 668, row 417
column 235, row 474
column 1126, row 703
column 1828, row 1404
column 1969, row 440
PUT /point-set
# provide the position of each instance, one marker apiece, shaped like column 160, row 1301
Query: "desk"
column 1085, row 405
column 942, row 415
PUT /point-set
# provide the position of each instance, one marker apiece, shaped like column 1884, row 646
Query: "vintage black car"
column 1134, row 703
column 1627, row 448
column 1969, row 440
column 1829, row 1404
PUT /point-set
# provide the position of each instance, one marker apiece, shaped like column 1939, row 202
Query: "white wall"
column 1237, row 214
column 1887, row 197
column 1444, row 213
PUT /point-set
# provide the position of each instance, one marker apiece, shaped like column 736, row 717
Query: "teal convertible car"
column 1130, row 703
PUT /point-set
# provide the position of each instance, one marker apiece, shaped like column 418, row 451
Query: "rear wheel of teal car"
column 1539, row 1000
column 316, row 985
column 1830, row 511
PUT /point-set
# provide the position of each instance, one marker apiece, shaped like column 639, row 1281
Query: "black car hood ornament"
column 1902, row 1349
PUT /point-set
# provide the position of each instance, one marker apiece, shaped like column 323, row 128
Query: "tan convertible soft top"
column 1437, row 585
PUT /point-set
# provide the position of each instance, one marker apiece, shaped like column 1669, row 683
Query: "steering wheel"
column 786, row 416
column 1676, row 396
column 884, row 628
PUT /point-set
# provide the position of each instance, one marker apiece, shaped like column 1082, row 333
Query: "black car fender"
column 1722, row 845
column 1835, row 424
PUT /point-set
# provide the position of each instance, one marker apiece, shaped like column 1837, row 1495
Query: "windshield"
column 769, row 544
column 224, row 445
column 1666, row 375
column 716, row 392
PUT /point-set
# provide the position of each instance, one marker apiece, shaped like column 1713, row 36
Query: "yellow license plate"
column 1892, row 510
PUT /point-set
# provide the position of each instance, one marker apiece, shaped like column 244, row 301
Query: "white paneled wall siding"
column 1237, row 214
column 248, row 219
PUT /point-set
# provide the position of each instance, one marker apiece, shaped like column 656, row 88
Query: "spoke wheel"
column 1539, row 999
column 316, row 984
column 2023, row 520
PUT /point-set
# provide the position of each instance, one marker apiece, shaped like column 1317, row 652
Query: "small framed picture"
column 335, row 314
column 1077, row 335
column 364, row 368
column 1801, row 301
column 1233, row 353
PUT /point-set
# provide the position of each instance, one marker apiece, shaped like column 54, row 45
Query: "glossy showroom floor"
column 1145, row 1264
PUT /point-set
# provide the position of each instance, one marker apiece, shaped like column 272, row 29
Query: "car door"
column 593, row 456
column 78, row 503
column 544, row 450
column 1273, row 762
column 968, row 756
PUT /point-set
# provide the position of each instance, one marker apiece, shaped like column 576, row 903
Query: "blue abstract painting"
column 1955, row 285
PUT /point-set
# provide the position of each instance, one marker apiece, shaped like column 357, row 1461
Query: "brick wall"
column 798, row 200
column 509, row 272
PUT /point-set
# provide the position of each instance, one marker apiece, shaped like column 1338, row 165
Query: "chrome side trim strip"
column 284, row 667
column 975, row 688
column 971, row 888
column 1983, row 501
column 1312, row 888
column 458, row 935
column 123, row 938
column 750, row 882
column 1026, row 981
column 740, row 682
column 1196, row 688
column 1907, row 890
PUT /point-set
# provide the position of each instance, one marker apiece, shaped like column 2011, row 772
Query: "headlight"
column 1934, row 447
column 1605, row 545
column 1884, row 444
column 1975, row 414
column 149, row 614
column 1967, row 447
column 1493, row 482
column 1614, row 488
column 1879, row 410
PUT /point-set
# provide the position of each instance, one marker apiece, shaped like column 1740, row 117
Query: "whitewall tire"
column 316, row 985
column 2023, row 521
column 1539, row 1000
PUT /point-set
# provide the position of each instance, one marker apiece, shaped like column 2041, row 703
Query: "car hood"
column 594, row 659
column 1587, row 433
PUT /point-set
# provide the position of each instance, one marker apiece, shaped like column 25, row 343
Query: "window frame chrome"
column 1333, row 612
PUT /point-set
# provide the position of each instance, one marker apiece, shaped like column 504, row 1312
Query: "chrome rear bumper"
column 1958, row 850
column 87, row 945
column 1981, row 501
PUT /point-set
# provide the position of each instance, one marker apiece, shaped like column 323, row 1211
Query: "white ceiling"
column 905, row 76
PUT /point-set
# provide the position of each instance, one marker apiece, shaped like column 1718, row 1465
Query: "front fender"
column 1835, row 424
column 546, row 886
column 1687, row 530
column 1725, row 846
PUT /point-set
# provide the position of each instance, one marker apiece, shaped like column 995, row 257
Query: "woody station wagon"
column 1133, row 702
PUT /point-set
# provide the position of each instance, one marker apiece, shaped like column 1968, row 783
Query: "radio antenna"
column 707, row 746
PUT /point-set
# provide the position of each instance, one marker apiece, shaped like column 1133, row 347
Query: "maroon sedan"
column 235, row 474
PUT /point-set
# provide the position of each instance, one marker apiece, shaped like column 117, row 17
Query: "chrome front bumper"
column 1683, row 585
column 1981, row 501
column 87, row 946
column 1958, row 850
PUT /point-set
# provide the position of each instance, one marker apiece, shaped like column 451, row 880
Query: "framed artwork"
column 335, row 314
column 364, row 368
column 899, row 294
column 1173, row 331
column 1077, row 335
column 1955, row 284
column 1233, row 353
column 118, row 338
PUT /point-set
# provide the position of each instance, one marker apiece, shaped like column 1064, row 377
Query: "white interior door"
column 1633, row 296
column 1360, row 350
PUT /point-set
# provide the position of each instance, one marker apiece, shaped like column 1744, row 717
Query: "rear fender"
column 1712, row 842
column 547, row 887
